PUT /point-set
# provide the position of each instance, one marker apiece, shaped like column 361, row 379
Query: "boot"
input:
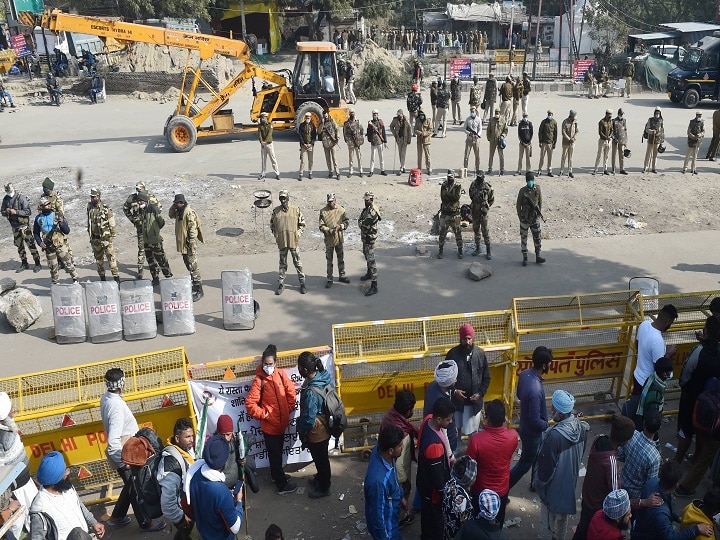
column 303, row 288
column 280, row 289
column 140, row 273
column 366, row 277
column 538, row 258
column 37, row 266
column 117, row 279
column 197, row 292
column 155, row 281
column 477, row 250
column 440, row 253
column 487, row 252
column 103, row 278
column 460, row 252
column 524, row 258
column 372, row 290
column 23, row 266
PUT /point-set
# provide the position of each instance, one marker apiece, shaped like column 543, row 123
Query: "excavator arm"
column 57, row 21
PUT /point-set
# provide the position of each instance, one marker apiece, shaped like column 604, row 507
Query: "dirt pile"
column 149, row 58
column 379, row 74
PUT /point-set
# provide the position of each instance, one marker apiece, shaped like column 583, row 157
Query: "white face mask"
column 269, row 370
column 142, row 206
column 10, row 194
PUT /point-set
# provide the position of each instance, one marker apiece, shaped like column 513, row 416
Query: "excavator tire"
column 181, row 133
column 315, row 109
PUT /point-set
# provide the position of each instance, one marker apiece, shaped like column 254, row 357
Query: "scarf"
column 211, row 474
column 394, row 418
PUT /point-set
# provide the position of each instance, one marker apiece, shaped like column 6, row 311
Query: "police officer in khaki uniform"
column 619, row 142
column 695, row 135
column 605, row 132
column 450, row 192
column 547, row 137
column 267, row 150
column 333, row 221
column 482, row 197
column 16, row 208
column 402, row 132
column 188, row 231
column 628, row 72
column 328, row 133
column 287, row 224
column 101, row 228
column 354, row 139
column 368, row 222
column 529, row 210
column 131, row 210
column 50, row 230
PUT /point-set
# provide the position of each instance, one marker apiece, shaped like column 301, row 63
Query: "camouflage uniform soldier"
column 354, row 138
column 368, row 222
column 151, row 221
column 132, row 212
column 450, row 214
column 50, row 231
column 16, row 208
column 529, row 208
column 287, row 224
column 333, row 222
column 188, row 231
column 619, row 141
column 57, row 205
column 101, row 228
column 482, row 197
column 695, row 135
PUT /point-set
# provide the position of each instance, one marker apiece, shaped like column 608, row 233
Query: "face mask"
column 524, row 119
column 352, row 116
column 422, row 117
column 142, row 206
column 531, row 184
column 472, row 115
column 95, row 202
column 657, row 115
column 268, row 369
column 46, row 191
column 10, row 194
column 549, row 116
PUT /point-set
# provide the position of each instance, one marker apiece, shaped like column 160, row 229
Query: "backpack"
column 706, row 414
column 333, row 409
column 143, row 453
column 51, row 530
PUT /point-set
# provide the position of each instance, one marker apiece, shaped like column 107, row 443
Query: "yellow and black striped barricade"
column 592, row 338
column 375, row 359
column 60, row 409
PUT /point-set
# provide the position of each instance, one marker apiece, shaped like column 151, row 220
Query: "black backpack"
column 143, row 477
column 706, row 414
column 333, row 409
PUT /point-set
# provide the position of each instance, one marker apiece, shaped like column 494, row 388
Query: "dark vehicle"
column 696, row 77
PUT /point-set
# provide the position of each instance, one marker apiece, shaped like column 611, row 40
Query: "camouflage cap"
column 283, row 194
column 369, row 196
column 140, row 186
column 94, row 192
column 47, row 183
column 9, row 187
column 44, row 201
column 330, row 197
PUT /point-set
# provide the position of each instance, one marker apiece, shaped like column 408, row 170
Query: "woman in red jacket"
column 270, row 400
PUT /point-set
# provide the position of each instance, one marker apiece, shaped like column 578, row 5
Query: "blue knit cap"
column 216, row 452
column 51, row 469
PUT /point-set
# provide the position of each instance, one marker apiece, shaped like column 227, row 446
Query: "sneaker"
column 318, row 493
column 407, row 520
column 289, row 487
column 344, row 279
column 683, row 492
column 120, row 522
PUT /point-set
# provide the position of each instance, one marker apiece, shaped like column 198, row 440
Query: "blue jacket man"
column 383, row 494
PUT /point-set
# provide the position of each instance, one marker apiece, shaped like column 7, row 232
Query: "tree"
column 607, row 30
column 144, row 9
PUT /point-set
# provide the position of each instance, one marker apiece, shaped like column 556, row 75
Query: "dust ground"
column 120, row 142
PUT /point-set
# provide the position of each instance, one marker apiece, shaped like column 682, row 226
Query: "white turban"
column 446, row 373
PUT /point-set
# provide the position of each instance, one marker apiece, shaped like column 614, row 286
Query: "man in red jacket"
column 612, row 519
column 494, row 448
column 603, row 470
column 270, row 400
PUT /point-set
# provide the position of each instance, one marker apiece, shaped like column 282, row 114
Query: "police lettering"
column 68, row 311
column 131, row 309
column 103, row 309
column 175, row 305
column 237, row 299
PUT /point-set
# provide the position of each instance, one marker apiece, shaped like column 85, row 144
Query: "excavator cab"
column 316, row 82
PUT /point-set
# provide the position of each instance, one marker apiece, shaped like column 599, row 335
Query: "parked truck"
column 285, row 95
column 697, row 75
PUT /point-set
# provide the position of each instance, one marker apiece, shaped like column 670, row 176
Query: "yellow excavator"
column 285, row 95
